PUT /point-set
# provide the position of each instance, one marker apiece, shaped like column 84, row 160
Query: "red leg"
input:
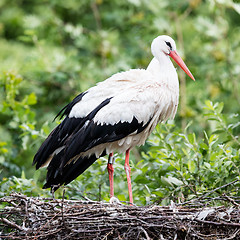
column 128, row 172
column 110, row 173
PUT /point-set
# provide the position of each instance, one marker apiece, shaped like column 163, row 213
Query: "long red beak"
column 181, row 64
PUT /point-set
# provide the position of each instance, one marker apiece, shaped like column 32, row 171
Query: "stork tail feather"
column 57, row 176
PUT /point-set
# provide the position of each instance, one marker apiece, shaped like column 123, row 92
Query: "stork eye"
column 169, row 44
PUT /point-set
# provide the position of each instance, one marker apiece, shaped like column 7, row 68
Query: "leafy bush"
column 16, row 116
column 180, row 166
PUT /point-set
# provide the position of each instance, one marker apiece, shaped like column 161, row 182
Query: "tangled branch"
column 39, row 218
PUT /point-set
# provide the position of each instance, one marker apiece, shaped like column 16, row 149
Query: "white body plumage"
column 115, row 115
column 139, row 93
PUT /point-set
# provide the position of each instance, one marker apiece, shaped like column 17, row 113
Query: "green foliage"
column 23, row 185
column 16, row 115
column 187, row 166
column 52, row 50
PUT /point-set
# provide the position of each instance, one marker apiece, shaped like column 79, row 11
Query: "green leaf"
column 213, row 138
column 32, row 99
column 192, row 138
column 192, row 166
column 203, row 146
column 219, row 107
column 209, row 104
column 172, row 180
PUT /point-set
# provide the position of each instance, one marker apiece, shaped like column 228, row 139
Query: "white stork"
column 115, row 115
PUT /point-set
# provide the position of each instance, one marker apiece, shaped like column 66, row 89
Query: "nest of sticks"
column 39, row 218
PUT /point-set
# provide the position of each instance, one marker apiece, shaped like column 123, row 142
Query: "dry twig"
column 38, row 218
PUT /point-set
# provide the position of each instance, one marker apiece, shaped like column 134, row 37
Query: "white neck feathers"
column 164, row 72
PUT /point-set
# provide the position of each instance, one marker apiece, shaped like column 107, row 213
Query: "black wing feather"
column 58, row 136
column 57, row 139
column 93, row 135
column 78, row 135
column 56, row 178
column 67, row 109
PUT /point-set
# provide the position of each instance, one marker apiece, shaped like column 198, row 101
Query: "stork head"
column 166, row 45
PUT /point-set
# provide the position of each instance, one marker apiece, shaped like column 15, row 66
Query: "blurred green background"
column 52, row 50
